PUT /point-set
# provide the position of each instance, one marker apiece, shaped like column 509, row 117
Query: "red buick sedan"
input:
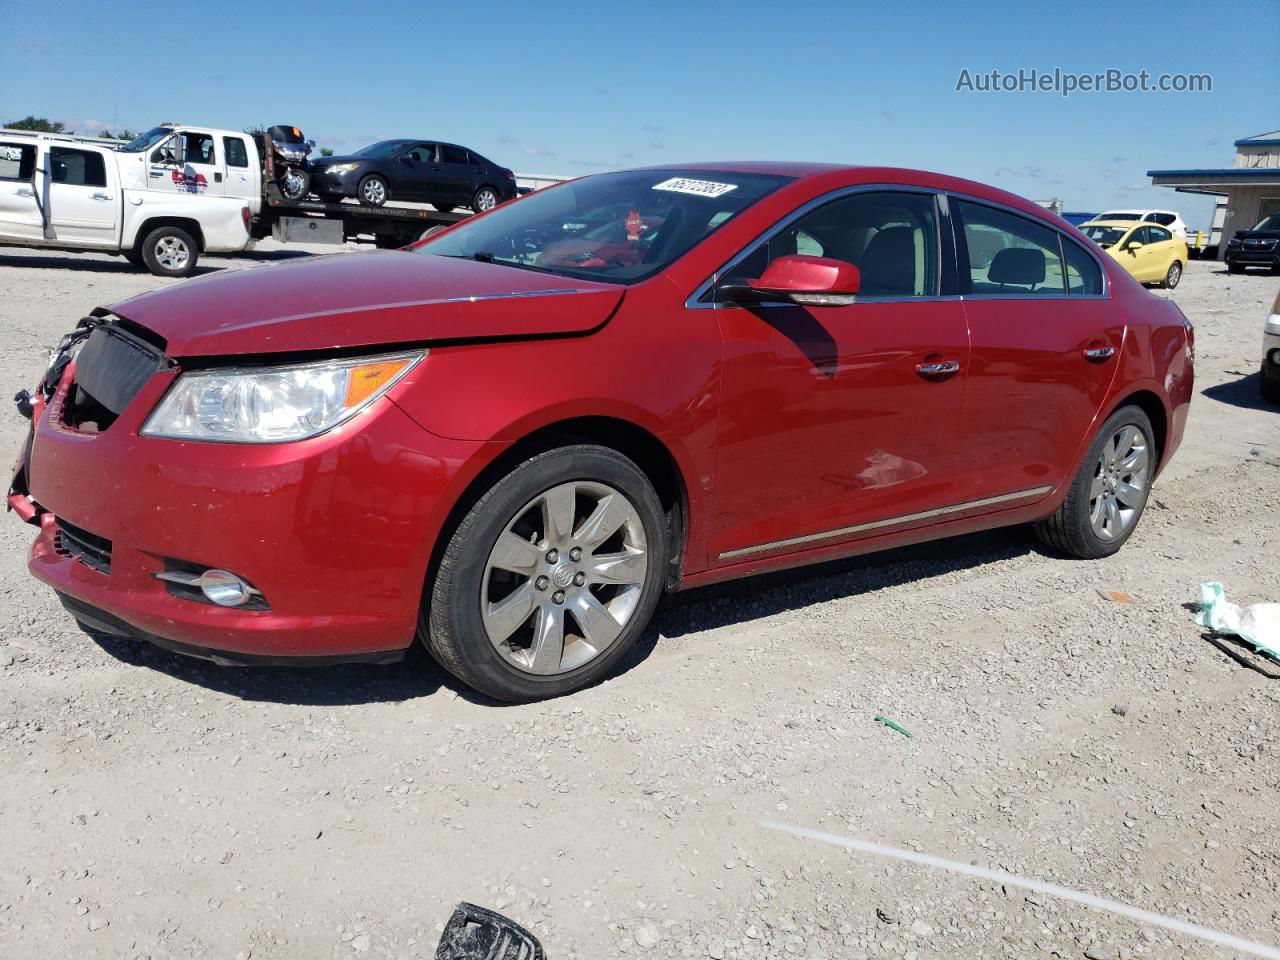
column 508, row 440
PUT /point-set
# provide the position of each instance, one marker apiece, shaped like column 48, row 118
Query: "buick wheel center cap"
column 562, row 575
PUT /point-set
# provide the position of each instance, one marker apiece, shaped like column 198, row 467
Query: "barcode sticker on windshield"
column 699, row 188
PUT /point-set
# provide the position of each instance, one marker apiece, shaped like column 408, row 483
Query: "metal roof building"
column 1251, row 187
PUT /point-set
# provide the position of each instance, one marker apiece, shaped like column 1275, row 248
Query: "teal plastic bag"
column 1257, row 624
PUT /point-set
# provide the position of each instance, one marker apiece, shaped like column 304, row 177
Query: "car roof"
column 1144, row 210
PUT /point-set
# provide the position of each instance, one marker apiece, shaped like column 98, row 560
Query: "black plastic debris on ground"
column 474, row 933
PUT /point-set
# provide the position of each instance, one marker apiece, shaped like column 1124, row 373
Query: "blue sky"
column 572, row 88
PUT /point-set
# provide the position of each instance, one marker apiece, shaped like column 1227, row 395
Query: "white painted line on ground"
column 1050, row 889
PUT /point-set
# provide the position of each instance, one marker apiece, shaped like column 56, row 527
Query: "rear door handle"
column 1099, row 353
column 941, row 368
column 24, row 192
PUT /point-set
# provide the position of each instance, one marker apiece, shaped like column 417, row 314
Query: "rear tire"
column 1109, row 492
column 170, row 252
column 1174, row 274
column 1268, row 386
column 530, row 554
column 486, row 198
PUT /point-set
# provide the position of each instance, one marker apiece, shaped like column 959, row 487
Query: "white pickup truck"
column 161, row 200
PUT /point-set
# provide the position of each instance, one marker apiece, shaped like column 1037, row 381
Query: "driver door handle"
column 25, row 192
column 1099, row 353
column 101, row 196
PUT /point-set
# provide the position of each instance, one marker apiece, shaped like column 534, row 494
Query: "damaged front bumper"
column 335, row 531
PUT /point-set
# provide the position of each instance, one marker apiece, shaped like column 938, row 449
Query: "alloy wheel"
column 486, row 199
column 1121, row 477
column 374, row 192
column 564, row 578
column 172, row 253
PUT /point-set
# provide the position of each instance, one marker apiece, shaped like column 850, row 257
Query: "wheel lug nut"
column 558, row 596
column 580, row 579
column 575, row 554
column 541, row 583
column 553, row 556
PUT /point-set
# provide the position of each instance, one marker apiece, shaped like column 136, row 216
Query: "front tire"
column 1173, row 275
column 550, row 577
column 372, row 191
column 1109, row 492
column 1235, row 268
column 295, row 184
column 170, row 252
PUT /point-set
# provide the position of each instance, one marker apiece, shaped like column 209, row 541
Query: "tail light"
column 246, row 216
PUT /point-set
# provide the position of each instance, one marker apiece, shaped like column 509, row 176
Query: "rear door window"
column 1009, row 255
column 77, row 168
column 450, row 154
column 1158, row 234
column 17, row 160
column 237, row 155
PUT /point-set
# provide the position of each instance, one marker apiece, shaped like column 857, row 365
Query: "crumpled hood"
column 365, row 299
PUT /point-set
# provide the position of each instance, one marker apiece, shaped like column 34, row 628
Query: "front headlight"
column 274, row 404
column 341, row 168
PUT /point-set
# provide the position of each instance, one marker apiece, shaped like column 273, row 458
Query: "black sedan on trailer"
column 444, row 175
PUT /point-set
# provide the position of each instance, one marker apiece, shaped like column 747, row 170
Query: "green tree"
column 38, row 124
column 326, row 152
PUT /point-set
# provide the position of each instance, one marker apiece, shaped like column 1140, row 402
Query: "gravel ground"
column 159, row 807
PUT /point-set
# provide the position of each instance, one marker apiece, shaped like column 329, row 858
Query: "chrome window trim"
column 692, row 302
column 1062, row 238
column 887, row 522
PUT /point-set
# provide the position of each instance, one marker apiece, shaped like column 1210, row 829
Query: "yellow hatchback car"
column 1148, row 252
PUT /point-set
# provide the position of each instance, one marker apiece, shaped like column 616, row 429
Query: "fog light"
column 225, row 588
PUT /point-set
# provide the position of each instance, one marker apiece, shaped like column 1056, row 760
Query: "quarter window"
column 77, row 168
column 237, row 155
column 1009, row 255
column 892, row 238
column 17, row 161
column 1084, row 276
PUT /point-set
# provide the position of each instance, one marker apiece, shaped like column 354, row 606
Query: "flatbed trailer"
column 314, row 221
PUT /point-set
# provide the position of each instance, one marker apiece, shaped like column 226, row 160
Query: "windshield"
column 144, row 141
column 616, row 227
column 383, row 148
column 1120, row 215
column 1103, row 236
column 1269, row 223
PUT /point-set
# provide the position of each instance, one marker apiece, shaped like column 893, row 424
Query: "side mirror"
column 1133, row 245
column 812, row 281
column 311, row 144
